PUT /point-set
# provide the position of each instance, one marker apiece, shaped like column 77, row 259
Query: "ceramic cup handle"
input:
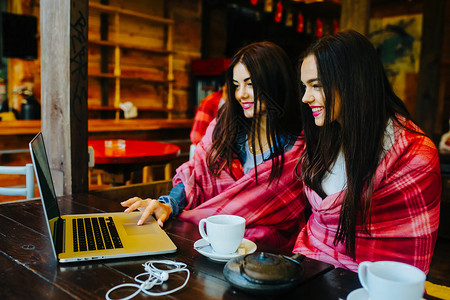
column 201, row 228
column 362, row 274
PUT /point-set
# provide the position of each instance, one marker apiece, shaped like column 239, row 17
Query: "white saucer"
column 358, row 294
column 205, row 249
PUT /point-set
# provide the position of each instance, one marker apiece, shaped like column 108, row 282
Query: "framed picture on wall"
column 398, row 41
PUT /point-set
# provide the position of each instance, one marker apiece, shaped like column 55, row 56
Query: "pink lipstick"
column 247, row 105
column 317, row 110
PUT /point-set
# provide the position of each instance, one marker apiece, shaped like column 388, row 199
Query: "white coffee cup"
column 223, row 232
column 390, row 280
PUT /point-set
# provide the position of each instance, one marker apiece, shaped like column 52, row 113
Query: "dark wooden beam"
column 104, row 50
column 206, row 28
column 64, row 44
column 428, row 88
column 355, row 15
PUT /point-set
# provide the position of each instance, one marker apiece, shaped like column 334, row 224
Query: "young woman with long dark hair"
column 370, row 174
column 245, row 163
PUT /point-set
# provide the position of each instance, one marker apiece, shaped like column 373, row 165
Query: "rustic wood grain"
column 64, row 96
column 26, row 251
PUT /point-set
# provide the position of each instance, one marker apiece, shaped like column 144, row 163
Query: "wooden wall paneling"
column 187, row 39
column 153, row 7
column 182, row 86
column 142, row 33
column 143, row 65
column 94, row 93
column 64, row 28
column 182, row 69
column 144, row 95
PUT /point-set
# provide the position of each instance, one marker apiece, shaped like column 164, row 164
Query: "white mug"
column 223, row 232
column 390, row 280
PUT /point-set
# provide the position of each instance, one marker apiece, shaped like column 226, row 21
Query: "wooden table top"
column 29, row 269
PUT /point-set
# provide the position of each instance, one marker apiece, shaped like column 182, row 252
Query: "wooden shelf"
column 130, row 47
column 112, row 108
column 14, row 129
column 129, row 77
column 115, row 10
column 102, row 75
column 120, row 80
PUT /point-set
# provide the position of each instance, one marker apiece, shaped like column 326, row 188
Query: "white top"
column 249, row 163
column 336, row 181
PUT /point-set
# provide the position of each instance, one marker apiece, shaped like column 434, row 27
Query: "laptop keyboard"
column 96, row 233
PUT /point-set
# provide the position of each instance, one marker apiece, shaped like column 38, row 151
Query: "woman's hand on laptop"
column 148, row 207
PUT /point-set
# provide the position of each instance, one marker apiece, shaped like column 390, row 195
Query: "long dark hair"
column 274, row 84
column 348, row 66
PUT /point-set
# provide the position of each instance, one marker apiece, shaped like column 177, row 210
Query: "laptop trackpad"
column 133, row 229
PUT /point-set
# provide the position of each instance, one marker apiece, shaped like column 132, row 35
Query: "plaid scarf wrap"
column 404, row 211
column 273, row 212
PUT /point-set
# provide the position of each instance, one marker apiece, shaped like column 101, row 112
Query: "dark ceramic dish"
column 263, row 273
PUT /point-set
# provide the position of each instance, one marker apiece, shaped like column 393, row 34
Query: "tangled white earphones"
column 156, row 276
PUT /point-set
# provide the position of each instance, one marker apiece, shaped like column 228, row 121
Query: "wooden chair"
column 26, row 170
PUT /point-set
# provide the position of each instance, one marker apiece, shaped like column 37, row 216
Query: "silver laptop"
column 93, row 236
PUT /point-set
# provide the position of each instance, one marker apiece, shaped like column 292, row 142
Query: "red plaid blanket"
column 405, row 210
column 206, row 112
column 273, row 213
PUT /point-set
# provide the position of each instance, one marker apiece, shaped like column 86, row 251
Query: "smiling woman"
column 244, row 165
column 371, row 175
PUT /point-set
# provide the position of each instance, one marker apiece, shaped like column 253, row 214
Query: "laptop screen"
column 45, row 183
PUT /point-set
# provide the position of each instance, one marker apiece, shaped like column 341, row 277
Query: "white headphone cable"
column 156, row 276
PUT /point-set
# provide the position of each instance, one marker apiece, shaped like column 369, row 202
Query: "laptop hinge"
column 59, row 235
